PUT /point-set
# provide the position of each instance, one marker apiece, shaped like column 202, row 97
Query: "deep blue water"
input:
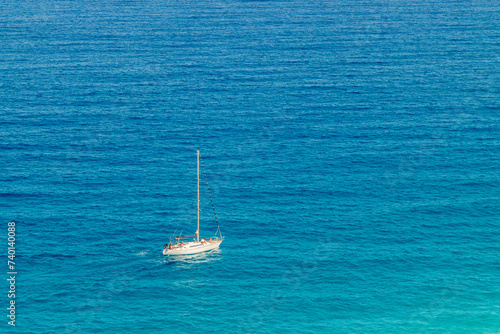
column 352, row 148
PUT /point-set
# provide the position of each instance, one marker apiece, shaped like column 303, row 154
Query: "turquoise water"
column 352, row 148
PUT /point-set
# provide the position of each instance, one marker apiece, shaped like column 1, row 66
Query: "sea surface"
column 352, row 149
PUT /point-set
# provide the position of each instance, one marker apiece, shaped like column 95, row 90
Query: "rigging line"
column 209, row 194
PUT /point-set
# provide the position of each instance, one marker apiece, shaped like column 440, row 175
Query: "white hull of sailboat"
column 191, row 248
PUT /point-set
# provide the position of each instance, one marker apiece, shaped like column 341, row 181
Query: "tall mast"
column 198, row 179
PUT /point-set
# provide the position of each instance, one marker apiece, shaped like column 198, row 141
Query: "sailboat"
column 194, row 246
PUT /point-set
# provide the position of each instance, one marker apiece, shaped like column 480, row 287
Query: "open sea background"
column 352, row 149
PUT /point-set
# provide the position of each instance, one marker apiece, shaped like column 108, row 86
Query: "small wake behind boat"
column 196, row 245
